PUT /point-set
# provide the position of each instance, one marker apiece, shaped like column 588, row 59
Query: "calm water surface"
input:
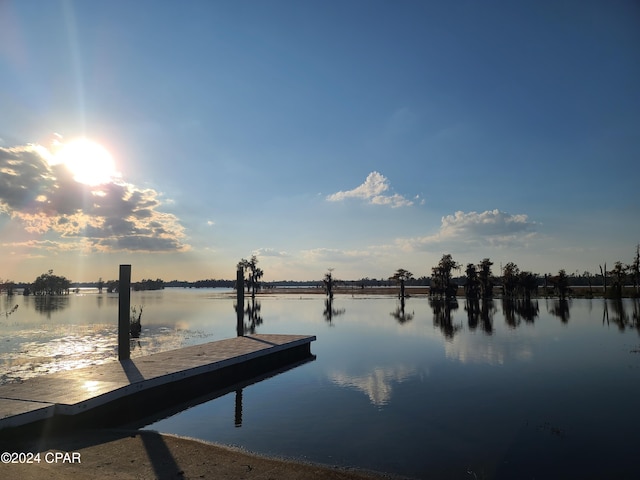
column 546, row 390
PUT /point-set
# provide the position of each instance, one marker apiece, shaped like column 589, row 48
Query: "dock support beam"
column 124, row 307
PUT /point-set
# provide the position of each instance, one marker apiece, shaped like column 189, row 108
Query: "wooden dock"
column 123, row 390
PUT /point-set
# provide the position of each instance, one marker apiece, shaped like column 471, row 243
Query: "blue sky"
column 362, row 136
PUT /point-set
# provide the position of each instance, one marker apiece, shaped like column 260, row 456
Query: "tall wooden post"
column 240, row 302
column 124, row 309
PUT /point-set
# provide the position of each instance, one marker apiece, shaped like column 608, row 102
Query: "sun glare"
column 89, row 162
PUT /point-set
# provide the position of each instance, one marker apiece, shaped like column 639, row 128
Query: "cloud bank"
column 115, row 216
column 491, row 227
column 373, row 191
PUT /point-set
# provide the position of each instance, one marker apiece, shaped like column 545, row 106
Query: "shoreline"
column 142, row 454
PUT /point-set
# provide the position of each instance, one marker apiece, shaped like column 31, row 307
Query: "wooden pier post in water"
column 240, row 301
column 124, row 307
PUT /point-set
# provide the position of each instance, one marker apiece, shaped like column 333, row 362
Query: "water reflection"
column 516, row 310
column 47, row 304
column 400, row 315
column 253, row 314
column 560, row 309
column 480, row 312
column 238, row 410
column 619, row 315
column 330, row 312
column 442, row 308
column 376, row 384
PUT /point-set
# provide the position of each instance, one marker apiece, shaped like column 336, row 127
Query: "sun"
column 89, row 162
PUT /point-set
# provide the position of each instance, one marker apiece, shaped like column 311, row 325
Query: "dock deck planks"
column 76, row 391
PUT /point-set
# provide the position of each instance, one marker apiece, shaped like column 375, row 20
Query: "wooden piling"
column 240, row 302
column 124, row 309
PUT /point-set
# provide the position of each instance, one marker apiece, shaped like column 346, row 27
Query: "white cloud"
column 116, row 216
column 374, row 191
column 270, row 252
column 491, row 227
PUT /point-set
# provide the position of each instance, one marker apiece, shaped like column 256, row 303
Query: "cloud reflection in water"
column 376, row 384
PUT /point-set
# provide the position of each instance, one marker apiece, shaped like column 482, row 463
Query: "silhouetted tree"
column 527, row 285
column 50, row 284
column 634, row 271
column 618, row 276
column 254, row 274
column 560, row 283
column 472, row 285
column 484, row 277
column 510, row 279
column 400, row 277
column 328, row 283
column 441, row 283
column 589, row 278
column 603, row 273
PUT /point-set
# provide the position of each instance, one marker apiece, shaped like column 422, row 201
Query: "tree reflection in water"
column 46, row 304
column 330, row 312
column 400, row 315
column 619, row 315
column 560, row 309
column 516, row 310
column 442, row 308
column 254, row 318
column 480, row 311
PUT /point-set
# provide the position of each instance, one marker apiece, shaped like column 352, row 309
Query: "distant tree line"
column 478, row 281
column 148, row 284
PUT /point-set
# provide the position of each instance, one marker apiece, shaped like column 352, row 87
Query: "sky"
column 359, row 136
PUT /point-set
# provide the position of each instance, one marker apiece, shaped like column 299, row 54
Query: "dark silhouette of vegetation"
column 401, row 276
column 148, row 284
column 485, row 278
column 472, row 284
column 634, row 271
column 328, row 283
column 618, row 276
column 7, row 286
column 255, row 273
column 517, row 284
column 560, row 284
column 50, row 284
column 441, row 281
column 135, row 322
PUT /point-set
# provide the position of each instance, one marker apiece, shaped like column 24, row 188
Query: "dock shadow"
column 74, row 438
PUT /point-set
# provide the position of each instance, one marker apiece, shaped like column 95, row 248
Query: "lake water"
column 546, row 390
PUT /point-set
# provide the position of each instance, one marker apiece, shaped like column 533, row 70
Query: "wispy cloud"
column 270, row 252
column 491, row 227
column 46, row 199
column 373, row 190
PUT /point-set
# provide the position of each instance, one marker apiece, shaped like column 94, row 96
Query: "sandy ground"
column 120, row 454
